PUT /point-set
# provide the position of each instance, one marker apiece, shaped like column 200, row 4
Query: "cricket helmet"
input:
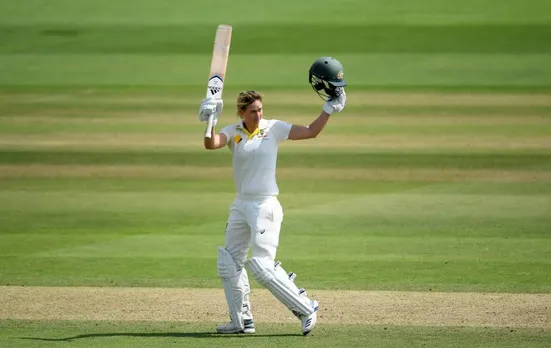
column 326, row 77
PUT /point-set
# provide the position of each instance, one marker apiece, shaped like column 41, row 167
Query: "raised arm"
column 299, row 132
column 216, row 141
column 211, row 107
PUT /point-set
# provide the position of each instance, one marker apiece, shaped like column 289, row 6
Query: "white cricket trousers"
column 253, row 223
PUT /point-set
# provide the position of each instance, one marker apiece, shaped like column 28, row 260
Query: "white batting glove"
column 335, row 104
column 210, row 106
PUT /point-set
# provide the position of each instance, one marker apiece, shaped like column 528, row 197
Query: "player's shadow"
column 154, row 335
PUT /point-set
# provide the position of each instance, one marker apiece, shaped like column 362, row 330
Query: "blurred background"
column 390, row 44
column 442, row 156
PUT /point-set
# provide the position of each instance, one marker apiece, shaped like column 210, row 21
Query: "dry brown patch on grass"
column 199, row 172
column 83, row 113
column 93, row 98
column 108, row 118
column 103, row 140
column 294, row 97
column 347, row 119
column 427, row 175
column 377, row 119
column 338, row 307
column 112, row 171
column 420, row 142
column 325, row 141
column 464, row 142
column 418, row 99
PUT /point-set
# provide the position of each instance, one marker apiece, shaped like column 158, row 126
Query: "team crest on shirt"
column 262, row 134
column 237, row 139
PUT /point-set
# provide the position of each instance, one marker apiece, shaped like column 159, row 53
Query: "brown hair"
column 245, row 99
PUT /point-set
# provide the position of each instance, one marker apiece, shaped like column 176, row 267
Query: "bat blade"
column 218, row 65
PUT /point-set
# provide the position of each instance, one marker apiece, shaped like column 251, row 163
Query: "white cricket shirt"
column 254, row 156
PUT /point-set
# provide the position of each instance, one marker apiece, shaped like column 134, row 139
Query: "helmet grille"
column 325, row 89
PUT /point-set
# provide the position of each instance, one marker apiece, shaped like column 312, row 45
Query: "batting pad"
column 247, row 312
column 279, row 284
column 233, row 286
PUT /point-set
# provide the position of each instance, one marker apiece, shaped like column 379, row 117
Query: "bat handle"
column 208, row 131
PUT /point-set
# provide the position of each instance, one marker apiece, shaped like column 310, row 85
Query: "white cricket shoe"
column 309, row 321
column 231, row 328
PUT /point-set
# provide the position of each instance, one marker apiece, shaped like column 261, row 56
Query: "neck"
column 250, row 127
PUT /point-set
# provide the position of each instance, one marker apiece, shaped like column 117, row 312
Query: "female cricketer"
column 256, row 215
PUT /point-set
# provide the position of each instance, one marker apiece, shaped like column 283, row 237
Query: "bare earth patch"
column 337, row 307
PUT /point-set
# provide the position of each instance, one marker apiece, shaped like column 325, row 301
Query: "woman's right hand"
column 210, row 106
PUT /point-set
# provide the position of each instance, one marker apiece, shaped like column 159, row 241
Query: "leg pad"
column 277, row 281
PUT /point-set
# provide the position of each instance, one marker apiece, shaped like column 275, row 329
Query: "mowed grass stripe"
column 343, row 307
column 503, row 182
column 525, row 161
column 58, row 126
column 418, row 203
column 363, row 120
column 284, row 173
column 92, row 97
column 464, row 240
column 327, row 142
column 106, row 334
column 140, row 12
column 361, row 114
column 443, row 249
column 353, row 38
column 459, row 72
column 377, row 274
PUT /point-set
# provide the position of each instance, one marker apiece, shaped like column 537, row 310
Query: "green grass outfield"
column 436, row 179
column 140, row 334
column 450, row 44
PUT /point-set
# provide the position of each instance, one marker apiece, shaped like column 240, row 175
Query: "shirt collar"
column 261, row 126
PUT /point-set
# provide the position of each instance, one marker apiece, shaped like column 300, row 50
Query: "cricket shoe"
column 231, row 328
column 308, row 321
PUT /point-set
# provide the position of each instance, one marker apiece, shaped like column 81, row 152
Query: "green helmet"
column 326, row 77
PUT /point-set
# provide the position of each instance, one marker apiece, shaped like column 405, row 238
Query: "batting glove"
column 335, row 104
column 210, row 106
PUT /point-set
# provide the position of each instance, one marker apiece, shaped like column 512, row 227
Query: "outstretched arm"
column 308, row 132
column 299, row 132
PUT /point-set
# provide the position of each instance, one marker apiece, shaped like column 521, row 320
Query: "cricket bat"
column 218, row 67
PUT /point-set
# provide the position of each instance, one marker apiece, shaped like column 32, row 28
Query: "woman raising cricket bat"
column 256, row 215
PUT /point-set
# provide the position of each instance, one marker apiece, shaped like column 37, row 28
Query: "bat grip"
column 208, row 131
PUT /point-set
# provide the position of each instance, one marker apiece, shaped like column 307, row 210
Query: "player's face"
column 253, row 114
